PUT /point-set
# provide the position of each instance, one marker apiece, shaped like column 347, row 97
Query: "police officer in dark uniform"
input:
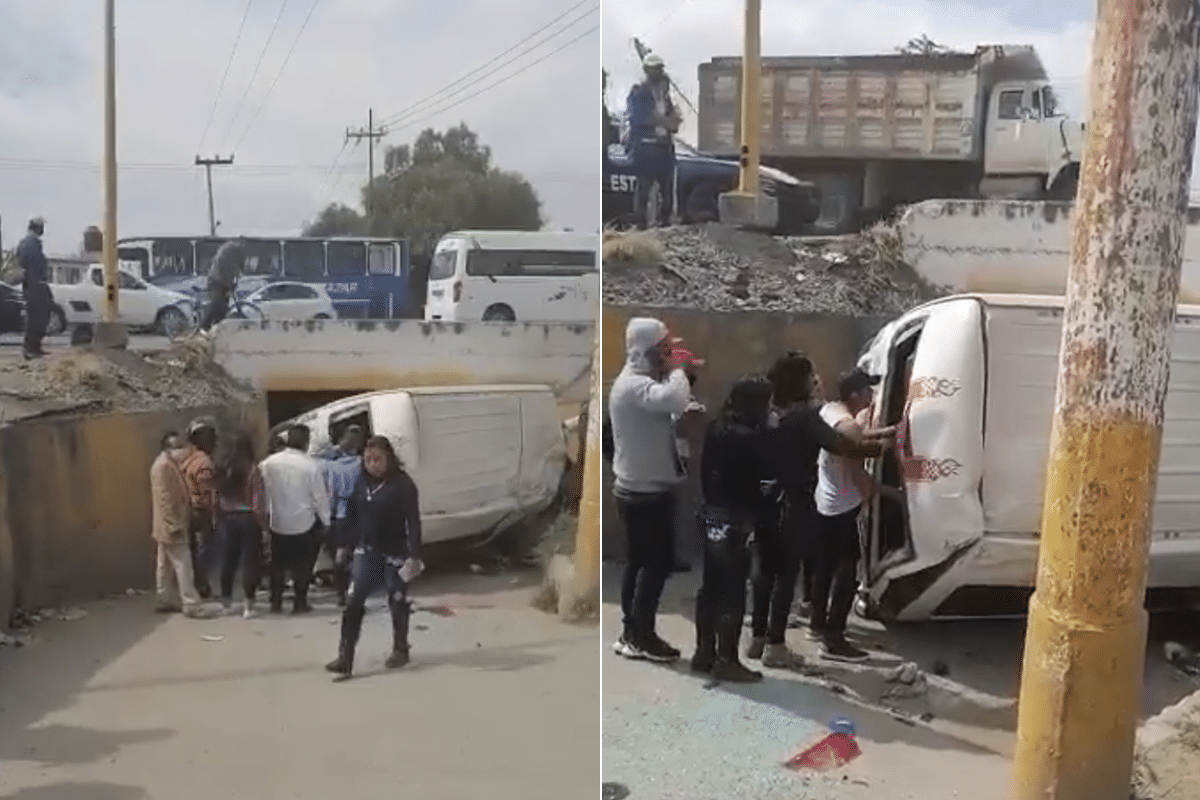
column 31, row 258
column 227, row 267
column 653, row 122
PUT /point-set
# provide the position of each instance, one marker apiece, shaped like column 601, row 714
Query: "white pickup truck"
column 78, row 291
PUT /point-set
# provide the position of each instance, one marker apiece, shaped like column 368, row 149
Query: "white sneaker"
column 248, row 611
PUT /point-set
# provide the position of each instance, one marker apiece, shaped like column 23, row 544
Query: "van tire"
column 499, row 313
column 57, row 324
column 703, row 204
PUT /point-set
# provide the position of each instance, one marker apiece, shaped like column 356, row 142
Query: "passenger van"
column 973, row 442
column 506, row 276
column 483, row 457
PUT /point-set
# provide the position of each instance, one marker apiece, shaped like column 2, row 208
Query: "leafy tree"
column 922, row 46
column 443, row 181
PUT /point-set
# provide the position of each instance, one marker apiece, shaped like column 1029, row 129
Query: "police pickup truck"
column 699, row 182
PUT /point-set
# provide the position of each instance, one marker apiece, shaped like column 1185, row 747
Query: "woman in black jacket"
column 383, row 521
column 733, row 466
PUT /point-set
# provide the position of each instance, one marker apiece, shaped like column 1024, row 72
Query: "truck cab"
column 1031, row 147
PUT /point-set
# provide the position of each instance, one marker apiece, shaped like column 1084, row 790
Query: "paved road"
column 668, row 735
column 500, row 702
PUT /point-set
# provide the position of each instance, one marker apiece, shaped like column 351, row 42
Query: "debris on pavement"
column 836, row 749
column 1166, row 762
column 719, row 268
column 212, row 638
column 1182, row 658
column 907, row 681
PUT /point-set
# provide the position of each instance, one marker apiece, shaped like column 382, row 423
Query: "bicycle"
column 239, row 308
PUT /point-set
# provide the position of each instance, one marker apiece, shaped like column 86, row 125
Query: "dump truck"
column 878, row 132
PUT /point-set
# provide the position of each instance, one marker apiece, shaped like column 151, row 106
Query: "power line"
column 494, row 84
column 253, row 75
column 311, row 10
column 437, row 96
column 212, row 114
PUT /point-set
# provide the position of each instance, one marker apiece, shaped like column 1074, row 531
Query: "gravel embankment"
column 718, row 268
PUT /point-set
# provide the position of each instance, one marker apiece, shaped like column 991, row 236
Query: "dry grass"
column 882, row 245
column 637, row 248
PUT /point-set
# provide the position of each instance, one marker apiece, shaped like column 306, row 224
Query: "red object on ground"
column 835, row 750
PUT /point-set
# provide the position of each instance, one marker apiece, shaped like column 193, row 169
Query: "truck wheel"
column 840, row 200
column 703, row 204
column 1065, row 185
column 499, row 313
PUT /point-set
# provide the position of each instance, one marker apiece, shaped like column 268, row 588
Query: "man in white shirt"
column 298, row 509
column 843, row 485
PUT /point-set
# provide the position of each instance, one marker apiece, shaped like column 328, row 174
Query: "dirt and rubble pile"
column 719, row 268
column 100, row 380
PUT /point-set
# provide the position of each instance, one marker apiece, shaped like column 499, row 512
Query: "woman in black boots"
column 731, row 467
column 383, row 523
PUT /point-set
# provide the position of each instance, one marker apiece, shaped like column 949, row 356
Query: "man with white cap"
column 653, row 122
column 643, row 403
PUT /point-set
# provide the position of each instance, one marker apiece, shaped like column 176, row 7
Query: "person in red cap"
column 648, row 395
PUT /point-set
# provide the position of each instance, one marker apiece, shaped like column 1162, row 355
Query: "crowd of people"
column 782, row 484
column 218, row 508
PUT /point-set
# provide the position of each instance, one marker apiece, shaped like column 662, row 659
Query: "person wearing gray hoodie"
column 643, row 403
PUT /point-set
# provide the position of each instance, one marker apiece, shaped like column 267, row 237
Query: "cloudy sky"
column 687, row 32
column 352, row 54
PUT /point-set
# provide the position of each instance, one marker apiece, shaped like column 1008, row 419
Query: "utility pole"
column 747, row 206
column 1086, row 636
column 370, row 133
column 208, row 164
column 110, row 332
column 586, row 574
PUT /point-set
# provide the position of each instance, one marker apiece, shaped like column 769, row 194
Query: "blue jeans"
column 370, row 571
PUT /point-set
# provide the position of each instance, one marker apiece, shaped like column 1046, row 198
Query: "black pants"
column 243, row 547
column 836, row 581
column 779, row 548
column 293, row 554
column 38, row 301
column 721, row 602
column 664, row 179
column 203, row 548
column 218, row 306
column 337, row 539
column 649, row 521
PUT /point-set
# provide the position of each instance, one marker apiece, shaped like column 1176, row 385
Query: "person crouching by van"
column 732, row 466
column 298, row 509
column 239, row 497
column 383, row 518
column 843, row 485
column 798, row 436
column 200, row 472
column 649, row 392
column 342, row 470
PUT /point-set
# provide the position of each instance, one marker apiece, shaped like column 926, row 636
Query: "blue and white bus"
column 367, row 278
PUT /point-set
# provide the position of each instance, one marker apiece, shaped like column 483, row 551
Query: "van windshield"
column 444, row 265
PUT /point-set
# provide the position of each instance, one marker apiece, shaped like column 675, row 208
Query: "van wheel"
column 703, row 204
column 499, row 313
column 322, row 316
column 57, row 323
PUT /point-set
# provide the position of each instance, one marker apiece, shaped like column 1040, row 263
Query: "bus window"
column 206, row 250
column 173, row 257
column 138, row 255
column 304, row 260
column 381, row 259
column 346, row 258
column 444, row 265
column 263, row 257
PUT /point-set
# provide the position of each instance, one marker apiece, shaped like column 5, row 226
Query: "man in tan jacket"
column 170, row 510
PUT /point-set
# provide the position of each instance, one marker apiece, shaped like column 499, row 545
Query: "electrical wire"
column 502, row 80
column 253, row 75
column 311, row 10
column 440, row 95
column 212, row 114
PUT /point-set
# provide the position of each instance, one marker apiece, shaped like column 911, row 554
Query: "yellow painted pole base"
column 1069, row 747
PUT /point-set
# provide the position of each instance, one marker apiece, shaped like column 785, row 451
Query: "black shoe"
column 735, row 672
column 301, row 608
column 702, row 663
column 681, row 566
column 276, row 608
column 838, row 649
column 655, row 649
column 666, row 646
column 397, row 659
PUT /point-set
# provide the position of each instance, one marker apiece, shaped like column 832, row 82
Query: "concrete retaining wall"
column 733, row 344
column 1007, row 246
column 75, row 502
column 367, row 355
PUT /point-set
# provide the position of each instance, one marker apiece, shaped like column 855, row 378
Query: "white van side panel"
column 544, row 454
column 470, row 458
column 942, row 441
column 1177, row 502
column 1023, row 345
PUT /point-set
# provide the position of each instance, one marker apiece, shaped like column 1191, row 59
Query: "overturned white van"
column 484, row 457
column 971, row 380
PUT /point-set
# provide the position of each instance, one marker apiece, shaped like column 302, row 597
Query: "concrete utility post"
column 1085, row 646
column 110, row 332
column 748, row 207
column 371, row 134
column 208, row 164
column 587, row 536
